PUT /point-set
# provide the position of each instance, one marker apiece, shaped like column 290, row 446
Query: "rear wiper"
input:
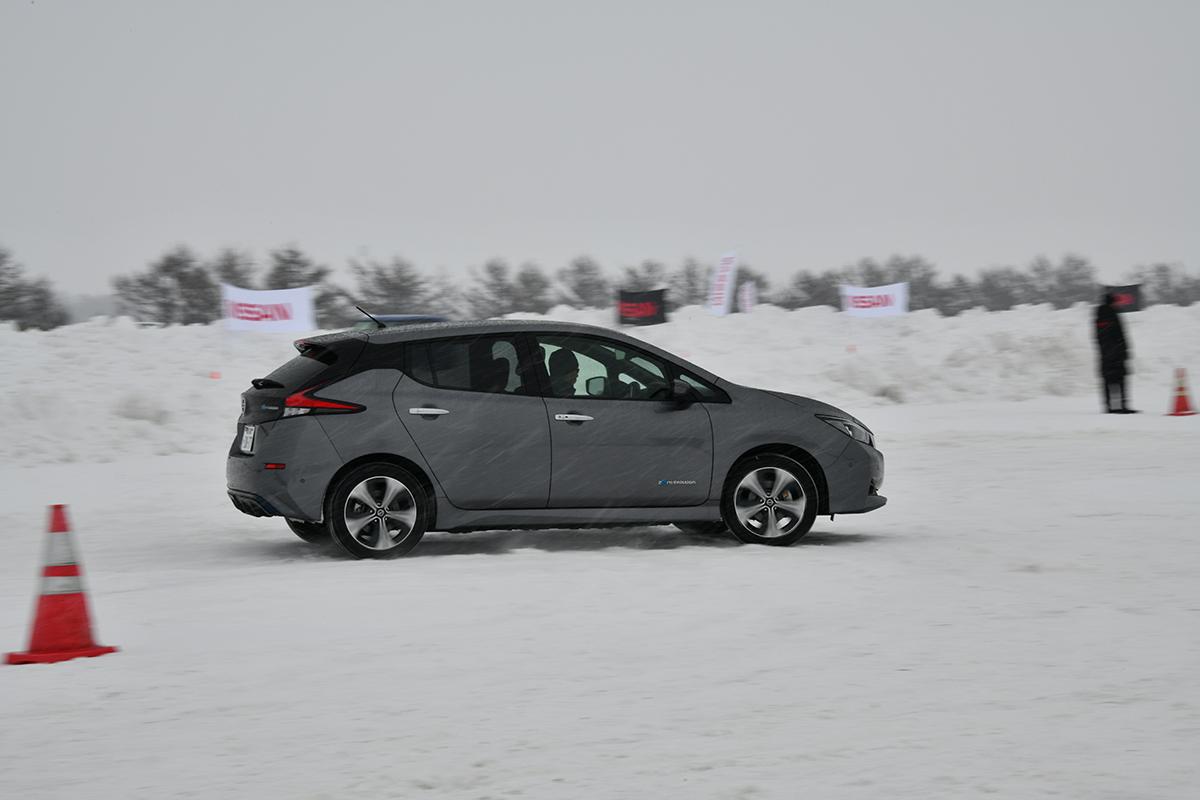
column 266, row 383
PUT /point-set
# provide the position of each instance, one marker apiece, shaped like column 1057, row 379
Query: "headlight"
column 851, row 428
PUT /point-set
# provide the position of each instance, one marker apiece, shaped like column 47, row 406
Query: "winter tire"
column 378, row 511
column 312, row 532
column 769, row 499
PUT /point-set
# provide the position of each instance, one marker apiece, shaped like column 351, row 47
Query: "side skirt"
column 452, row 519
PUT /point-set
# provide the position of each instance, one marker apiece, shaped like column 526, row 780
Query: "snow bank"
column 105, row 389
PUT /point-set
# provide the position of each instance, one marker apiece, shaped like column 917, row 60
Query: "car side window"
column 505, row 350
column 468, row 363
column 641, row 373
column 704, row 390
column 585, row 366
column 569, row 369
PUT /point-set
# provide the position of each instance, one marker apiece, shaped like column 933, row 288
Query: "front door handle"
column 434, row 412
column 573, row 418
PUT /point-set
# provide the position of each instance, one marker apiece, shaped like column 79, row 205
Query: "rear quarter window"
column 473, row 364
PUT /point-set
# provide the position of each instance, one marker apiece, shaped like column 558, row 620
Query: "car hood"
column 817, row 407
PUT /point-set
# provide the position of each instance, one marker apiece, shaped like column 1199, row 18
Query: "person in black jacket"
column 1114, row 352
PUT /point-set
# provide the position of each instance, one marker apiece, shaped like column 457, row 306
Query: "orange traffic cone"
column 61, row 628
column 1183, row 406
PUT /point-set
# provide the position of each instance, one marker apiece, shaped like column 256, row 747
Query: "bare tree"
column 1001, row 288
column 494, row 293
column 647, row 275
column 29, row 303
column 444, row 295
column 813, row 289
column 291, row 268
column 961, row 295
column 533, row 290
column 1166, row 283
column 688, row 285
column 866, row 272
column 174, row 289
column 234, row 268
column 584, row 284
column 924, row 289
column 392, row 287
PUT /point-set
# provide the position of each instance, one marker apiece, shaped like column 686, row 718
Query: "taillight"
column 306, row 402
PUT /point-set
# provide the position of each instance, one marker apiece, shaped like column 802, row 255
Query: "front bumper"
column 872, row 502
column 855, row 480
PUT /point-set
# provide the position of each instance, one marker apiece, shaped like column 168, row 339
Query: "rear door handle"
column 573, row 418
column 421, row 412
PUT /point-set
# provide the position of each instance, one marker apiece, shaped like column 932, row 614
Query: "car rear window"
column 299, row 372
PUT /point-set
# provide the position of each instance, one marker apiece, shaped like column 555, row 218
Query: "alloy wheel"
column 380, row 512
column 770, row 502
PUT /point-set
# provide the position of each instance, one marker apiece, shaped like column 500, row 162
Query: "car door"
column 476, row 416
column 624, row 443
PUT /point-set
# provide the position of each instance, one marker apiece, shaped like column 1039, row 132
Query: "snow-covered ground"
column 1021, row 620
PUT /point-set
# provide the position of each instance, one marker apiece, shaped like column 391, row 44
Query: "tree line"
column 183, row 287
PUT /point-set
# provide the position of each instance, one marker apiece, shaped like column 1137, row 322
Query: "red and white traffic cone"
column 61, row 627
column 1183, row 406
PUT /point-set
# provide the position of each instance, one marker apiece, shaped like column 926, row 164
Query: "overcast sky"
column 805, row 135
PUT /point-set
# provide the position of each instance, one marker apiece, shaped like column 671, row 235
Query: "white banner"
column 875, row 301
column 720, row 291
column 747, row 296
column 272, row 310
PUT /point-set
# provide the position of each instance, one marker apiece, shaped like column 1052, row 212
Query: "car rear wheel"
column 313, row 532
column 378, row 511
column 769, row 499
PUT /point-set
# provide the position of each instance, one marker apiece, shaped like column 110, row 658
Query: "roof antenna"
column 368, row 316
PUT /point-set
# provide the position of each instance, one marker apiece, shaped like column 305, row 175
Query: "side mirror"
column 597, row 386
column 682, row 393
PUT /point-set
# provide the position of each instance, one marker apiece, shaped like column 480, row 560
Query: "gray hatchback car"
column 375, row 437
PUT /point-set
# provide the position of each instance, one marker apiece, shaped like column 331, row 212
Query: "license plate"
column 248, row 438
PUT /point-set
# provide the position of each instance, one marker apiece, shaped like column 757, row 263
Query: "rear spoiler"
column 324, row 340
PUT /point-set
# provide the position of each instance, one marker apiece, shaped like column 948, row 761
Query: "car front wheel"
column 769, row 499
column 378, row 511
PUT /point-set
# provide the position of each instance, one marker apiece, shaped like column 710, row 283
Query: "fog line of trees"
column 183, row 287
column 397, row 286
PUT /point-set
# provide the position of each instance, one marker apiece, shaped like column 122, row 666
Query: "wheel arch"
column 798, row 454
column 387, row 458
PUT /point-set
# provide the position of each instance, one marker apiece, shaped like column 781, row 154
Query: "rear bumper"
column 265, row 493
column 252, row 504
column 297, row 490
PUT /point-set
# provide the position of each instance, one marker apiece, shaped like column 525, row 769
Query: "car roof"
column 439, row 330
